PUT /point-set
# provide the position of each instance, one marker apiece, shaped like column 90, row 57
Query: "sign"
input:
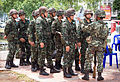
column 107, row 10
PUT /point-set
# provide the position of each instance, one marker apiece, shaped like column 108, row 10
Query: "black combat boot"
column 100, row 77
column 42, row 72
column 91, row 71
column 67, row 75
column 82, row 68
column 13, row 65
column 57, row 66
column 8, row 65
column 71, row 72
column 59, row 62
column 27, row 61
column 86, row 76
column 53, row 70
column 22, row 62
column 77, row 68
column 33, row 67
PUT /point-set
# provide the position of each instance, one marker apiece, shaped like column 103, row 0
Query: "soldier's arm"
column 86, row 28
column 65, row 33
column 38, row 26
column 105, row 32
column 31, row 29
column 7, row 27
column 79, row 32
column 53, row 26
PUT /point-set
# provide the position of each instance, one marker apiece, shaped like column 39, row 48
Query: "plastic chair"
column 116, row 37
column 110, row 56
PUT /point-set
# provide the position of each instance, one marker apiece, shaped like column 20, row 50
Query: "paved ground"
column 111, row 74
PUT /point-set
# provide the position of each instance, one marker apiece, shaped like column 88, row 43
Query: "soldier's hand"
column 67, row 48
column 42, row 45
column 22, row 39
column 31, row 43
column 79, row 44
column 78, row 19
column 5, row 37
column 75, row 46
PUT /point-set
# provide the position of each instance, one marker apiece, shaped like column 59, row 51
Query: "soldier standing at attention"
column 84, row 45
column 70, row 37
column 11, row 34
column 23, row 37
column 56, row 30
column 33, row 42
column 43, row 33
column 96, row 41
column 50, row 19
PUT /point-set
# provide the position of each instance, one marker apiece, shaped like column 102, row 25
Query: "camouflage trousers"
column 58, row 47
column 25, row 49
column 34, row 53
column 12, row 50
column 69, row 57
column 89, row 57
column 45, row 53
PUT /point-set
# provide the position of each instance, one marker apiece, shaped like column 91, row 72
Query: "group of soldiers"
column 52, row 30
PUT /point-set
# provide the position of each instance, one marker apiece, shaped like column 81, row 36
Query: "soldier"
column 43, row 33
column 32, row 41
column 84, row 45
column 11, row 34
column 98, row 34
column 70, row 37
column 56, row 30
column 52, row 14
column 23, row 37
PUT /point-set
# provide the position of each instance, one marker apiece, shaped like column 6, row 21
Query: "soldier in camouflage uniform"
column 43, row 35
column 84, row 45
column 23, row 37
column 56, row 30
column 70, row 37
column 32, row 41
column 11, row 33
column 50, row 19
column 98, row 34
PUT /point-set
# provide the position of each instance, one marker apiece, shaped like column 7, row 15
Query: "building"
column 110, row 3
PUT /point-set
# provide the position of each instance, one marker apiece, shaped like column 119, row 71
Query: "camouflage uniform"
column 56, row 29
column 52, row 46
column 32, row 38
column 98, row 34
column 69, row 34
column 43, row 33
column 84, row 44
column 11, row 32
column 24, row 46
column 83, row 36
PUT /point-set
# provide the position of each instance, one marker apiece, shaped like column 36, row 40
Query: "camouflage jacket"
column 98, row 32
column 50, row 20
column 83, row 35
column 23, row 29
column 56, row 26
column 32, row 31
column 43, row 29
column 11, row 30
column 69, row 32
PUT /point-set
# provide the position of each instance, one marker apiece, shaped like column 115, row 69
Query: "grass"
column 22, row 77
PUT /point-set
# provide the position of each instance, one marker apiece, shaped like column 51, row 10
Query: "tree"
column 92, row 4
column 116, row 6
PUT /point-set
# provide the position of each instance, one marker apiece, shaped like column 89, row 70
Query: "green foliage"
column 116, row 6
column 92, row 4
column 29, row 5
